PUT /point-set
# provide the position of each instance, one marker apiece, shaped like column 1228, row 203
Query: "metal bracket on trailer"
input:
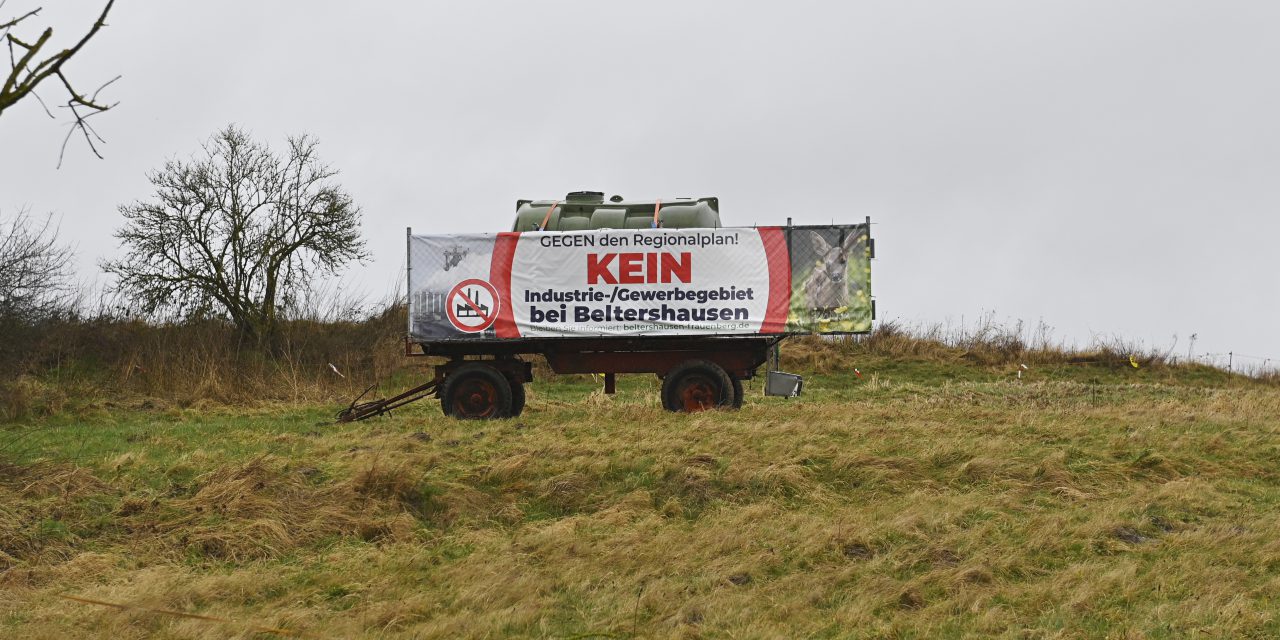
column 780, row 383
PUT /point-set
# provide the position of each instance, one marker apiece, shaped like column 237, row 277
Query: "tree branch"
column 14, row 22
column 18, row 86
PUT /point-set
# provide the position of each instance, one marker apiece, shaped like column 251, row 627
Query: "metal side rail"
column 362, row 410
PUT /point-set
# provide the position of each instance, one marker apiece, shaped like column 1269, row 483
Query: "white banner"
column 631, row 282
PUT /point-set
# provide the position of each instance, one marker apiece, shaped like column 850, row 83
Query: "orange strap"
column 657, row 206
column 548, row 218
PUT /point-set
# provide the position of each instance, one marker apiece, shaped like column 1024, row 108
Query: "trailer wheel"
column 738, row 393
column 517, row 397
column 696, row 385
column 476, row 392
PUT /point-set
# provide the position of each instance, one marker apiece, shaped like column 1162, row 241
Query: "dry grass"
column 63, row 364
column 987, row 345
column 70, row 365
column 1078, row 502
column 942, row 493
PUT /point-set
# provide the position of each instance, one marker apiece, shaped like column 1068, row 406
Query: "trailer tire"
column 517, row 398
column 738, row 393
column 476, row 391
column 697, row 385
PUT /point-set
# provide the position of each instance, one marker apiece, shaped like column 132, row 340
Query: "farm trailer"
column 624, row 287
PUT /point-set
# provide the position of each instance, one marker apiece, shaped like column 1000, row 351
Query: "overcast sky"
column 1109, row 168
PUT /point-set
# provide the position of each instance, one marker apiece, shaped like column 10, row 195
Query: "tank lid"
column 585, row 196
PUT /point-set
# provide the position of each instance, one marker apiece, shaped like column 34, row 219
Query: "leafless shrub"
column 34, row 270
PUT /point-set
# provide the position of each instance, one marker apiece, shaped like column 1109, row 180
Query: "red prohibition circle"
column 458, row 296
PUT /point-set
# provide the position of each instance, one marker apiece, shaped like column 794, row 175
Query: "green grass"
column 928, row 498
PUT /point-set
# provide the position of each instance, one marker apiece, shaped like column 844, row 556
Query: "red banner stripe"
column 504, row 253
column 775, row 251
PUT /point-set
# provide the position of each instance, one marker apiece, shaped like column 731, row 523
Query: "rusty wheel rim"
column 475, row 398
column 697, row 393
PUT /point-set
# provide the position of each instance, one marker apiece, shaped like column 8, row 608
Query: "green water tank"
column 589, row 210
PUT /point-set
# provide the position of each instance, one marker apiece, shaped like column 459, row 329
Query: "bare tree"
column 30, row 64
column 237, row 232
column 35, row 270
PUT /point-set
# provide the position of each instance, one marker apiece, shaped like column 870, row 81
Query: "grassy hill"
column 937, row 495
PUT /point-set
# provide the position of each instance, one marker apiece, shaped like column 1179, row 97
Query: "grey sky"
column 1109, row 167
